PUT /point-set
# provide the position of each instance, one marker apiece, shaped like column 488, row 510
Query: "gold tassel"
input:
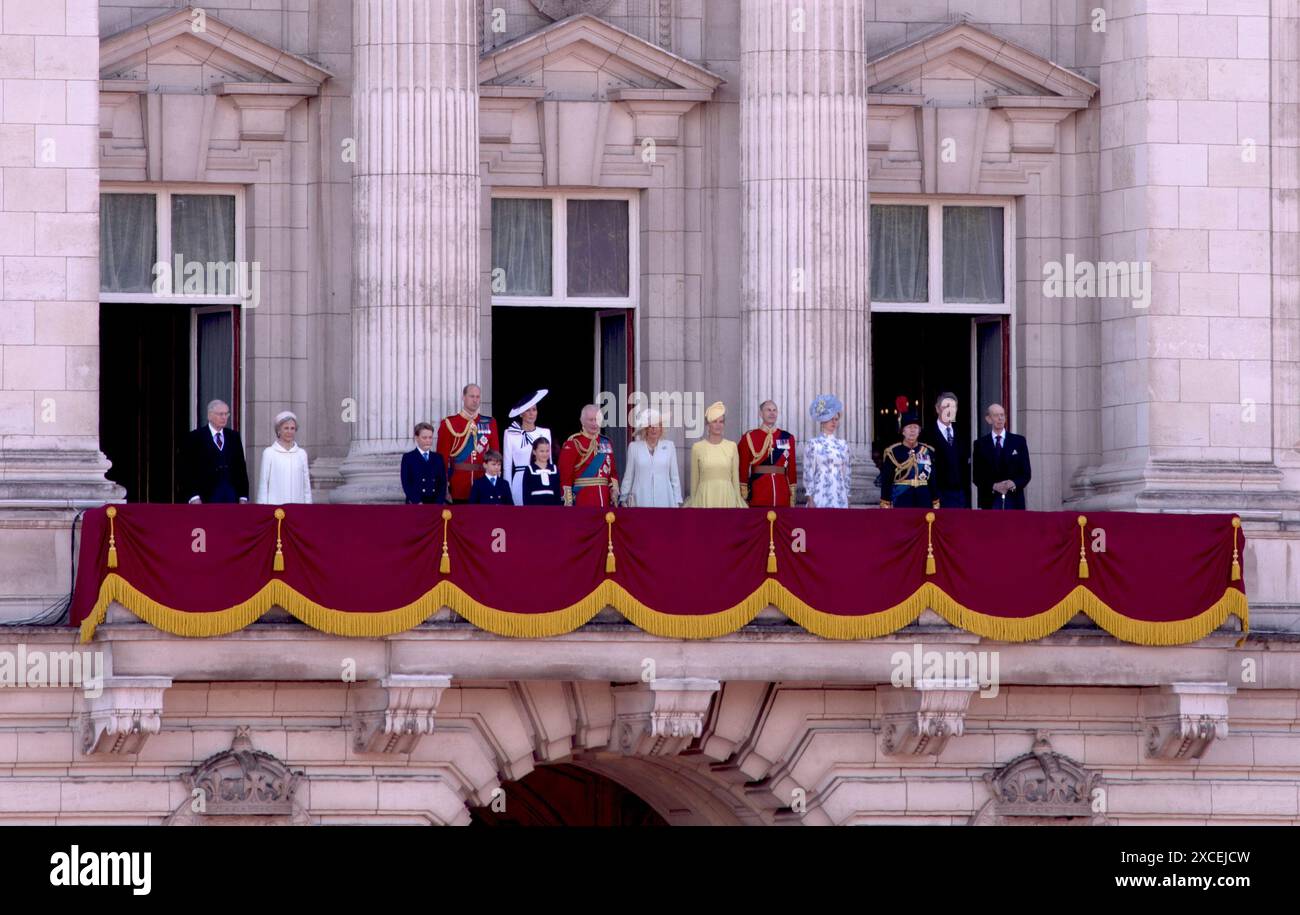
column 278, row 565
column 444, row 564
column 112, row 542
column 1083, row 555
column 771, row 543
column 1236, row 562
column 930, row 567
column 609, row 557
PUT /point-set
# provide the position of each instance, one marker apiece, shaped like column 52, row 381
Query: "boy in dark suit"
column 424, row 478
column 491, row 489
column 214, row 460
column 1001, row 464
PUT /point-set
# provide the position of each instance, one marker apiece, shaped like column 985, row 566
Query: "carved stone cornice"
column 392, row 715
column 1041, row 784
column 919, row 720
column 1183, row 719
column 121, row 718
column 662, row 717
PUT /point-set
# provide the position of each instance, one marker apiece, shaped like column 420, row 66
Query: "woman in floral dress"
column 828, row 463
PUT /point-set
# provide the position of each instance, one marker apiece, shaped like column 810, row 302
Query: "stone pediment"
column 585, row 58
column 189, row 49
column 963, row 65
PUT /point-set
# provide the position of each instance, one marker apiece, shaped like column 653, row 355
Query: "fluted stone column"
column 803, row 177
column 415, row 322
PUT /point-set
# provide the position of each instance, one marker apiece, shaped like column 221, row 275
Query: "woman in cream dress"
column 650, row 478
column 715, row 466
column 283, row 477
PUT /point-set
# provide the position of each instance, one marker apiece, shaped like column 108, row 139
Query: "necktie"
column 426, row 456
column 221, row 446
column 997, row 443
column 948, row 433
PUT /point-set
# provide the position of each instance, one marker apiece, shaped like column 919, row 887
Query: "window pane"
column 216, row 348
column 521, row 246
column 900, row 254
column 598, row 248
column 203, row 231
column 128, row 242
column 972, row 254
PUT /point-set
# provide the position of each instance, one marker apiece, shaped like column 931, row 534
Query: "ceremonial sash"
column 589, row 471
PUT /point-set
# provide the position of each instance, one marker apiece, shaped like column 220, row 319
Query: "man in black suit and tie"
column 1001, row 464
column 214, row 460
column 951, row 475
column 424, row 477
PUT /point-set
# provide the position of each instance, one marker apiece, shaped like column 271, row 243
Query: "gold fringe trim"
column 668, row 625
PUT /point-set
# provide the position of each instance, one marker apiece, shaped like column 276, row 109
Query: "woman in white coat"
column 284, row 477
column 650, row 479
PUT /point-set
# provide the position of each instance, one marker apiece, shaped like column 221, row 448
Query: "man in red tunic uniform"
column 587, row 470
column 768, row 475
column 462, row 440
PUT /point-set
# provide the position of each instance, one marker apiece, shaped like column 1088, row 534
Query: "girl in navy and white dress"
column 541, row 478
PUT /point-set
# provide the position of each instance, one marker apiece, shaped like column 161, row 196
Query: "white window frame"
column 559, row 296
column 163, row 223
column 936, row 304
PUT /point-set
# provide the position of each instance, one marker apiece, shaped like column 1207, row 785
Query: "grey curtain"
column 900, row 253
column 598, row 248
column 128, row 242
column 972, row 255
column 216, row 341
column 521, row 245
column 203, row 230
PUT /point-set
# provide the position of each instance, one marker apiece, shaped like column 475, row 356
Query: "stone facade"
column 368, row 152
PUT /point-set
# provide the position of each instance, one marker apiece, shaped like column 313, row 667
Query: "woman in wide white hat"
column 650, row 478
column 517, row 452
column 284, row 477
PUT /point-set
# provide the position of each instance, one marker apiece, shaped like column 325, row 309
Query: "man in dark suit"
column 951, row 454
column 214, row 465
column 424, row 477
column 1001, row 464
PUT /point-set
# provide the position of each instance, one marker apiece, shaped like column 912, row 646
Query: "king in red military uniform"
column 587, row 471
column 462, row 440
column 768, row 474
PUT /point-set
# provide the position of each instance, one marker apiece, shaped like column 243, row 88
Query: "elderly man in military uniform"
column 587, row 472
column 768, row 475
column 905, row 479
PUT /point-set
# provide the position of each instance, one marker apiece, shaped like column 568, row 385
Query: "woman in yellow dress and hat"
column 715, row 465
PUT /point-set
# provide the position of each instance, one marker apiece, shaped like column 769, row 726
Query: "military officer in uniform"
column 905, row 479
column 768, row 475
column 587, row 472
column 462, row 441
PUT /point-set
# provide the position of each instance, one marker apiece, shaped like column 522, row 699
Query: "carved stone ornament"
column 242, row 781
column 662, row 717
column 123, row 716
column 1183, row 720
column 919, row 721
column 394, row 714
column 1041, row 785
column 562, row 9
